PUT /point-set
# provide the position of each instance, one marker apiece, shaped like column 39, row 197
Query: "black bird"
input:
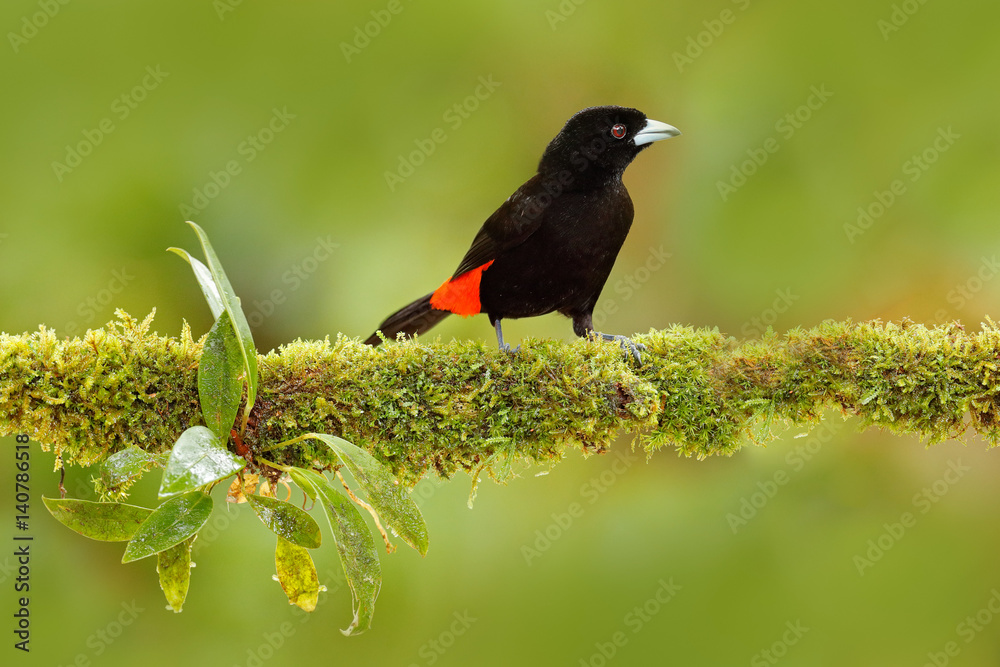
column 551, row 246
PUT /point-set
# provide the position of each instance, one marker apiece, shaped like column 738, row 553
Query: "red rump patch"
column 461, row 295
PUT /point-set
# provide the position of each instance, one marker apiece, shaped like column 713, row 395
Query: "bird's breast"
column 566, row 261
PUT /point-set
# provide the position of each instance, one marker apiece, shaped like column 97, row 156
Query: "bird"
column 551, row 245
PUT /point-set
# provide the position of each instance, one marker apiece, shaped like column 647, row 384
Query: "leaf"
column 174, row 568
column 205, row 280
column 123, row 468
column 356, row 548
column 171, row 523
column 301, row 478
column 287, row 521
column 108, row 522
column 197, row 459
column 220, row 379
column 386, row 495
column 297, row 574
column 231, row 303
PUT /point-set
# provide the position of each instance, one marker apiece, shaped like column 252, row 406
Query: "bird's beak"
column 654, row 130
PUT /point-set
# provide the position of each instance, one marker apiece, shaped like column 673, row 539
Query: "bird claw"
column 630, row 345
column 504, row 347
column 509, row 350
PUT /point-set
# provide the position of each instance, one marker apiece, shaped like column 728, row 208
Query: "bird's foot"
column 627, row 343
column 504, row 347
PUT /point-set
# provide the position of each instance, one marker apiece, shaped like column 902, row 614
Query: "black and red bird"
column 551, row 246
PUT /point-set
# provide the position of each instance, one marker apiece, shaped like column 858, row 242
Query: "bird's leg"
column 504, row 347
column 583, row 326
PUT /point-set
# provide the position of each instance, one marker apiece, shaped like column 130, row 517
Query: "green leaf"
column 301, row 478
column 174, row 568
column 297, row 574
column 356, row 548
column 197, row 459
column 287, row 521
column 220, row 379
column 231, row 303
column 171, row 523
column 120, row 470
column 394, row 506
column 108, row 522
column 205, row 280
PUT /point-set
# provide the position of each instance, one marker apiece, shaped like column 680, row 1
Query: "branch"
column 462, row 405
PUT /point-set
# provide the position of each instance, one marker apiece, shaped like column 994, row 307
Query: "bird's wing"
column 509, row 226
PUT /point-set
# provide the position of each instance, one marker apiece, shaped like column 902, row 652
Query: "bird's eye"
column 619, row 131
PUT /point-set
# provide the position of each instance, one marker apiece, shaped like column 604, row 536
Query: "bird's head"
column 602, row 141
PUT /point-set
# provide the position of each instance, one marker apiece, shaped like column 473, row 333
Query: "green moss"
column 89, row 397
column 462, row 405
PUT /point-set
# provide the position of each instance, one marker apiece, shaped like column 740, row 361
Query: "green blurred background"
column 78, row 241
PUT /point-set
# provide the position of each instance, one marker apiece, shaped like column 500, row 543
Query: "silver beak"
column 654, row 130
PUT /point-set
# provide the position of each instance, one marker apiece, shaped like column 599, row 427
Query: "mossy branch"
column 422, row 407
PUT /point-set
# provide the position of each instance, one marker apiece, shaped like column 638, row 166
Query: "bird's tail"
column 416, row 318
